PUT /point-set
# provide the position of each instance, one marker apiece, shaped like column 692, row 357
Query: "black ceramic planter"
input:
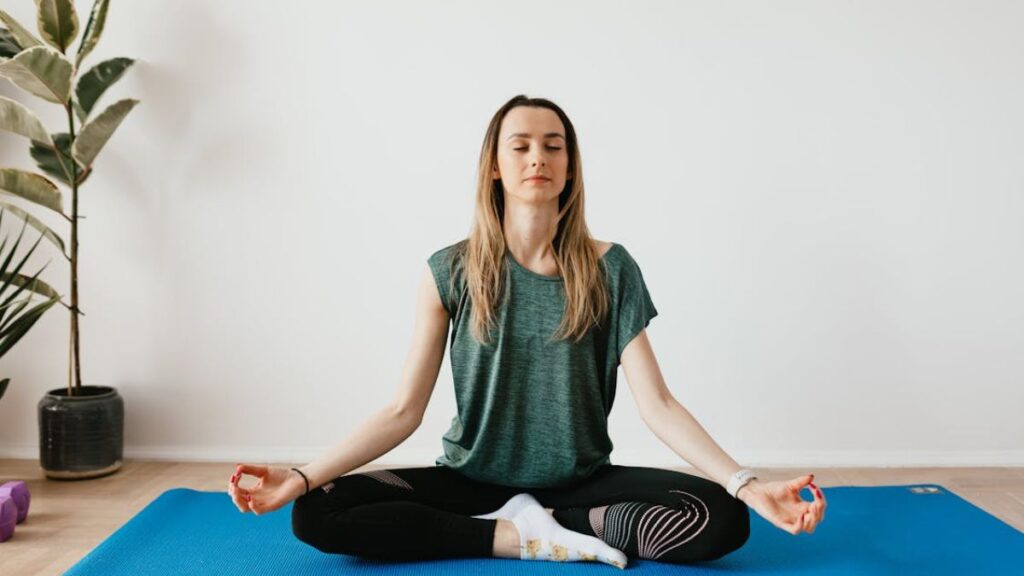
column 81, row 436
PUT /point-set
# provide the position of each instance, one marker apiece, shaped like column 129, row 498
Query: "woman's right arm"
column 393, row 424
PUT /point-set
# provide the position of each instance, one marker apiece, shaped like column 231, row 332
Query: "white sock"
column 511, row 508
column 541, row 537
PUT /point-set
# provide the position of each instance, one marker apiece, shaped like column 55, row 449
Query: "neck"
column 530, row 229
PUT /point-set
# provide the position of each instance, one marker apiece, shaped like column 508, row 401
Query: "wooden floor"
column 67, row 519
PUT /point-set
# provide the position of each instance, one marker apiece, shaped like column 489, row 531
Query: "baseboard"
column 654, row 458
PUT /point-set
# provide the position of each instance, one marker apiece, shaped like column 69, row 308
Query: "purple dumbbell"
column 8, row 518
column 17, row 491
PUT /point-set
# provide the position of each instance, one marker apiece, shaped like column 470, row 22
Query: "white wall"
column 825, row 199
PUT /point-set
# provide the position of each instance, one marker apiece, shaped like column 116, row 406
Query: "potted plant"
column 15, row 317
column 80, row 427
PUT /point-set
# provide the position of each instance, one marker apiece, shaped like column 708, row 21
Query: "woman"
column 541, row 318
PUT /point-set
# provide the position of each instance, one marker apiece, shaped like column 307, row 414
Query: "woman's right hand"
column 275, row 487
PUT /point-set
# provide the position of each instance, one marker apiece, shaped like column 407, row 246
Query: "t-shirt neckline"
column 518, row 266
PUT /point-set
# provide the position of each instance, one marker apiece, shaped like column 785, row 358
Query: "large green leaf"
column 21, row 34
column 98, row 130
column 95, row 82
column 93, row 30
column 58, row 22
column 31, row 187
column 58, row 167
column 10, row 335
column 31, row 284
column 9, row 305
column 15, row 308
column 37, row 224
column 41, row 71
column 14, row 117
column 10, row 277
column 8, row 44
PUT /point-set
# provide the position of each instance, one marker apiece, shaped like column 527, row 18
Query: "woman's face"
column 531, row 142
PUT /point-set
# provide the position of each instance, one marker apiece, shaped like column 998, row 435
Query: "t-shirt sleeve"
column 635, row 307
column 441, row 270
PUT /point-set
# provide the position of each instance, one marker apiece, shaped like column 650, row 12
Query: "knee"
column 307, row 520
column 727, row 529
column 324, row 527
column 732, row 530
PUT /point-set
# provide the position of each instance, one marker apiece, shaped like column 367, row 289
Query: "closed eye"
column 549, row 148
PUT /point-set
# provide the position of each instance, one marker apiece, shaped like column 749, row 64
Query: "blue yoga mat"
column 913, row 529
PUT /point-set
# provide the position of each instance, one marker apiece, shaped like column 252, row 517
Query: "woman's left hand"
column 780, row 503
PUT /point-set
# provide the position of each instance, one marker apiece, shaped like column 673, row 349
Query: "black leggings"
column 425, row 513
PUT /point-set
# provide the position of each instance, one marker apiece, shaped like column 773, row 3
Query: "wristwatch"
column 738, row 480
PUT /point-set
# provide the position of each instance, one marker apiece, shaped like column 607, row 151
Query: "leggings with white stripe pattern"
column 425, row 513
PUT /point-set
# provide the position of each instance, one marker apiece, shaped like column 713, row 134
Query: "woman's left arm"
column 778, row 502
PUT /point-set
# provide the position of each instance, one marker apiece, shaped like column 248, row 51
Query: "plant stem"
column 74, row 257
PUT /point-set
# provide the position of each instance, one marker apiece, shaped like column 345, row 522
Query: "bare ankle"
column 506, row 540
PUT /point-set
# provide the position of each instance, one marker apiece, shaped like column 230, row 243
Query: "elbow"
column 408, row 415
column 655, row 411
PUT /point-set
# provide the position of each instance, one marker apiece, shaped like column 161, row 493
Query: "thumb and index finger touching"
column 799, row 483
column 251, row 469
column 817, row 497
column 242, row 497
column 807, row 480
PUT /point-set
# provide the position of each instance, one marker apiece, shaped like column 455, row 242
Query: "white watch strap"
column 738, row 480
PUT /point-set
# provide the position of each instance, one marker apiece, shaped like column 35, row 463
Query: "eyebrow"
column 525, row 135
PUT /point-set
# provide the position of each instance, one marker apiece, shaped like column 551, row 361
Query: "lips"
column 538, row 179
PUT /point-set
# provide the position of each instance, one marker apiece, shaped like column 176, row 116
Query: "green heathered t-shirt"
column 534, row 413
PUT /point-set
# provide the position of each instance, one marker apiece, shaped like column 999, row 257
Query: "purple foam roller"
column 8, row 518
column 17, row 490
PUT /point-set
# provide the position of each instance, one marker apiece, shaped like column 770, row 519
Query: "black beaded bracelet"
column 304, row 478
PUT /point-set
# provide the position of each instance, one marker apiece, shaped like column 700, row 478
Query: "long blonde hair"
column 481, row 257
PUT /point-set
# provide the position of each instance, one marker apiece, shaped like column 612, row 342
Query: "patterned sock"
column 640, row 529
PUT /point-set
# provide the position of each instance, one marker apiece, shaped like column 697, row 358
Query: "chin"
column 539, row 195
